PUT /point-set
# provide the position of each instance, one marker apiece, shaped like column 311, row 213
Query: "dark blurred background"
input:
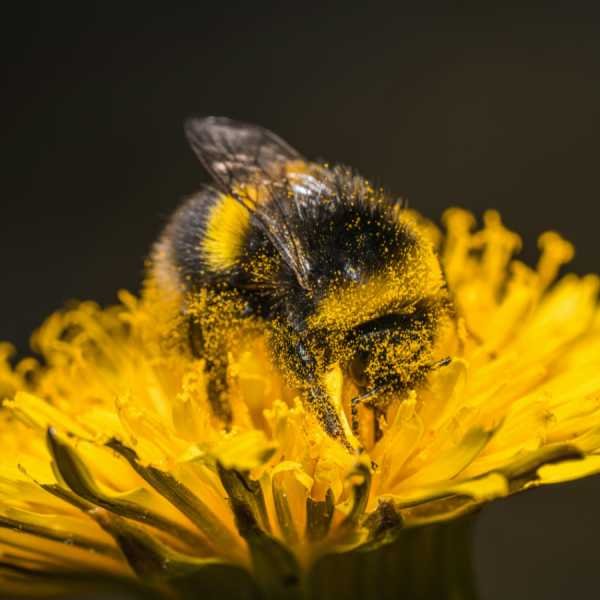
column 481, row 105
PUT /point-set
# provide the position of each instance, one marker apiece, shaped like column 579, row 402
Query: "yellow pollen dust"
column 114, row 443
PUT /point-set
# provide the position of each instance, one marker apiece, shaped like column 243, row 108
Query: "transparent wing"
column 238, row 154
column 251, row 164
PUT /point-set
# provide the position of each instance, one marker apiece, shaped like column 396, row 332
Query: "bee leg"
column 354, row 407
column 378, row 412
column 216, row 374
column 441, row 363
column 196, row 338
column 217, row 389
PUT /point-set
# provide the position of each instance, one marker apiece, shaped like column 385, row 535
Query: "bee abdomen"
column 202, row 244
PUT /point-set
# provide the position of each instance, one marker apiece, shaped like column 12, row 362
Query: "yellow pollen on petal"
column 112, row 445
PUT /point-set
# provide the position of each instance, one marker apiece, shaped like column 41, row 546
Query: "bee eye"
column 357, row 368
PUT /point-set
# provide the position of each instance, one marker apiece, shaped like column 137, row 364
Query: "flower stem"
column 429, row 562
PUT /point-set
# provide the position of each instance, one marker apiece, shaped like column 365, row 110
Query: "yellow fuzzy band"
column 227, row 224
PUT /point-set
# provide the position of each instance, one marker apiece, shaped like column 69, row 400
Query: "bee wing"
column 249, row 163
column 237, row 154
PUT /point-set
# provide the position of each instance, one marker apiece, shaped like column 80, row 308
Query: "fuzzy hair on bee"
column 331, row 270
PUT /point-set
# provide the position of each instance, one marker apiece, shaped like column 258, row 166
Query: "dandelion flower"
column 115, row 475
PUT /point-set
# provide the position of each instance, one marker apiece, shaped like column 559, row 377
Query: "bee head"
column 378, row 298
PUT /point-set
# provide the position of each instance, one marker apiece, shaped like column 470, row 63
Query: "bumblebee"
column 334, row 271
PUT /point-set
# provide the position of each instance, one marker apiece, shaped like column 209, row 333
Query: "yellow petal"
column 446, row 386
column 36, row 413
column 569, row 470
column 480, row 489
column 244, row 452
column 296, row 468
column 472, row 444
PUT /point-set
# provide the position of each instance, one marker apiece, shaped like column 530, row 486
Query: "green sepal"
column 284, row 516
column 149, row 558
column 523, row 471
column 482, row 488
column 67, row 495
column 439, row 511
column 383, row 524
column 242, row 488
column 356, row 505
column 319, row 514
column 179, row 496
column 275, row 567
column 77, row 477
column 45, row 526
